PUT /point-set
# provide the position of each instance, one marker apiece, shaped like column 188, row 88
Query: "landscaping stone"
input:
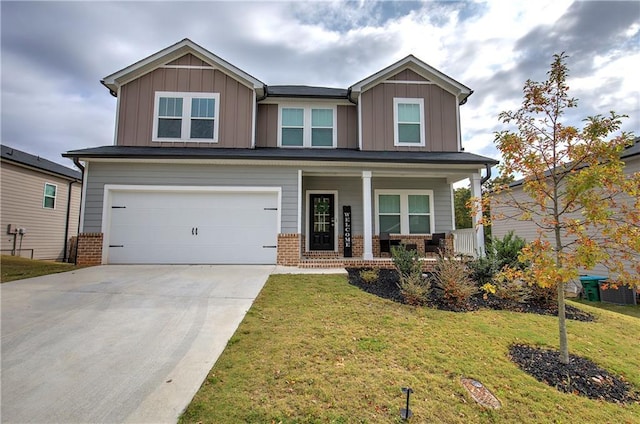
column 480, row 393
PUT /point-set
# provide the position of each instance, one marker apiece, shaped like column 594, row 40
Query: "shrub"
column 499, row 253
column 506, row 251
column 452, row 281
column 413, row 287
column 511, row 290
column 543, row 296
column 369, row 276
column 406, row 262
column 483, row 269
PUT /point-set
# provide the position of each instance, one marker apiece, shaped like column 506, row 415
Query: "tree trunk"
column 562, row 326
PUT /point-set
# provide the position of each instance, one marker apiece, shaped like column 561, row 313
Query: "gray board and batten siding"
column 205, row 175
column 136, row 104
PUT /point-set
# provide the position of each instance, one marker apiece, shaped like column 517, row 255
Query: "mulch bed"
column 386, row 287
column 581, row 376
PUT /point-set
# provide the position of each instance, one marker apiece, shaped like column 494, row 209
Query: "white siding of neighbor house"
column 173, row 174
column 528, row 230
column 22, row 205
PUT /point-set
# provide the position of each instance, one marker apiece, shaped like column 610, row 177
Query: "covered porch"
column 352, row 217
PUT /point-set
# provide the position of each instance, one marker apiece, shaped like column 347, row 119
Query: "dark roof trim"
column 629, row 152
column 331, row 155
column 305, row 91
column 26, row 159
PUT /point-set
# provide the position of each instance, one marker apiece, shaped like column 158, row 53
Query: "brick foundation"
column 89, row 248
column 288, row 249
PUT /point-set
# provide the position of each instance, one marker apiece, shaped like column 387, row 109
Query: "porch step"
column 321, row 255
column 386, row 263
column 345, row 263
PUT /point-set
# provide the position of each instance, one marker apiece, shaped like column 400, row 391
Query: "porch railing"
column 464, row 242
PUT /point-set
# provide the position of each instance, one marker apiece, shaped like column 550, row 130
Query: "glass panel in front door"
column 322, row 222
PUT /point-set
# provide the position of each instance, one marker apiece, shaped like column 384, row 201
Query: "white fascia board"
column 150, row 63
column 424, row 70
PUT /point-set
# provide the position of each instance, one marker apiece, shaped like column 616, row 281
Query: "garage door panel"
column 200, row 227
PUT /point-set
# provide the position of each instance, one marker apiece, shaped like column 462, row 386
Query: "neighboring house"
column 528, row 230
column 211, row 165
column 40, row 206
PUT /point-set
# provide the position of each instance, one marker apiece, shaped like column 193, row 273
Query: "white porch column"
column 476, row 192
column 366, row 219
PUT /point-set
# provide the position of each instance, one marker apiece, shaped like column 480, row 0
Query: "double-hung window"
column 408, row 121
column 404, row 211
column 307, row 126
column 49, row 199
column 186, row 117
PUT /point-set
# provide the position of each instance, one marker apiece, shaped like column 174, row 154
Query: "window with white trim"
column 307, row 126
column 49, row 199
column 404, row 211
column 186, row 116
column 408, row 122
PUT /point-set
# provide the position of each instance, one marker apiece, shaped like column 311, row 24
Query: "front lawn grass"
column 631, row 310
column 17, row 268
column 314, row 349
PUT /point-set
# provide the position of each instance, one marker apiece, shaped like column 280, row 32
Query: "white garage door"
column 186, row 227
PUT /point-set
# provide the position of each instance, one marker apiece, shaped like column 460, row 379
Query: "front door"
column 321, row 220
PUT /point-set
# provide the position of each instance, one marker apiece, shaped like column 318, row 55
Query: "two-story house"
column 211, row 165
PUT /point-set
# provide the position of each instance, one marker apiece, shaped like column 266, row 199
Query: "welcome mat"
column 480, row 394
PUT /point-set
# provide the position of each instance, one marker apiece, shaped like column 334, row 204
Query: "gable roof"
column 23, row 158
column 169, row 54
column 461, row 91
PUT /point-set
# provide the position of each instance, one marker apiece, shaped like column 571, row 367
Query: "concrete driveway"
column 115, row 344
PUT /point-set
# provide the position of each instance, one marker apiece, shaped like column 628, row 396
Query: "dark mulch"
column 580, row 376
column 386, row 287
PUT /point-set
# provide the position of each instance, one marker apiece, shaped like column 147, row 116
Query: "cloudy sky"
column 55, row 53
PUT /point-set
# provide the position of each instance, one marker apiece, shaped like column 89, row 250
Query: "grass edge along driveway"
column 314, row 349
column 16, row 268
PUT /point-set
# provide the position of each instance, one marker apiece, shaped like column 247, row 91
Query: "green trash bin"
column 591, row 287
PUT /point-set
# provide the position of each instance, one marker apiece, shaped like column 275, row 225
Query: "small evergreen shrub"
column 505, row 251
column 369, row 276
column 413, row 287
column 406, row 262
column 452, row 282
column 500, row 253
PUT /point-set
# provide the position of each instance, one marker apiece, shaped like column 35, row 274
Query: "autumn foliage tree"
column 575, row 190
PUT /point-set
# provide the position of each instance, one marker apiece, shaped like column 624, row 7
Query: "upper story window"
column 408, row 122
column 404, row 211
column 49, row 199
column 307, row 126
column 186, row 117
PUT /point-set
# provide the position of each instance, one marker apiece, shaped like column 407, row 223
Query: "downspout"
column 349, row 97
column 266, row 93
column 66, row 224
column 486, row 177
column 77, row 163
